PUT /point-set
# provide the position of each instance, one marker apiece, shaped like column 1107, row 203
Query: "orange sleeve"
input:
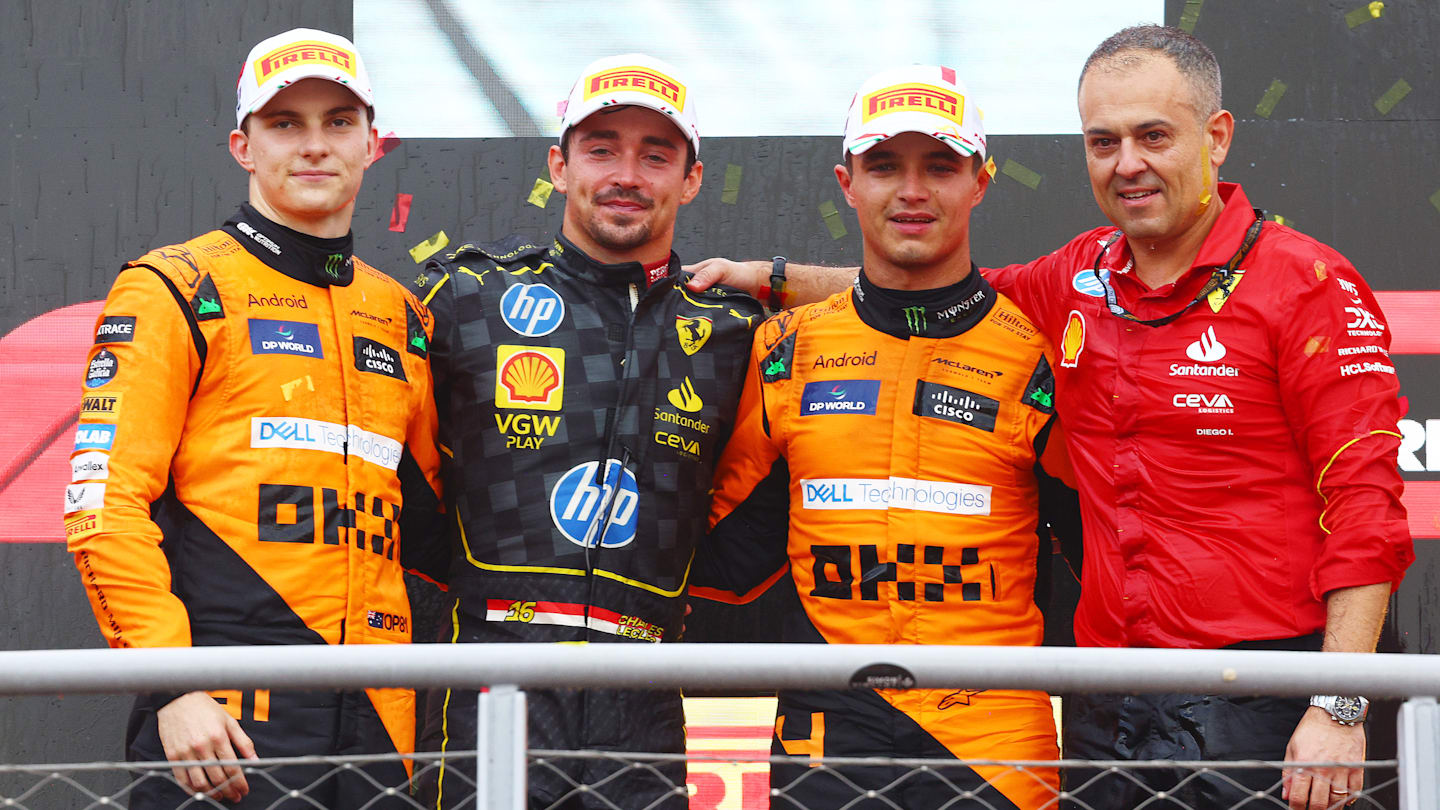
column 745, row 551
column 424, row 550
column 136, row 396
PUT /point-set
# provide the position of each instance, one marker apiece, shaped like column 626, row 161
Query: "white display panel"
column 756, row 68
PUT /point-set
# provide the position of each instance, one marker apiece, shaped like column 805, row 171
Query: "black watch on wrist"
column 777, row 283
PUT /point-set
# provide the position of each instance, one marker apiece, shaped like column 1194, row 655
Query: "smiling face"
column 624, row 181
column 913, row 196
column 306, row 151
column 1152, row 156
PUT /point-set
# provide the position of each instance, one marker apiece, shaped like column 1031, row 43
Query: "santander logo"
column 1208, row 349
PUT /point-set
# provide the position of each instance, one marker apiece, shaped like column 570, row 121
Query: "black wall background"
column 115, row 115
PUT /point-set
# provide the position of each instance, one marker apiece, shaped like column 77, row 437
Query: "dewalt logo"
column 636, row 79
column 914, row 98
column 94, row 407
column 303, row 53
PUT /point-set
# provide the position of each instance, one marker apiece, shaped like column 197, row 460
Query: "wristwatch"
column 777, row 283
column 1347, row 710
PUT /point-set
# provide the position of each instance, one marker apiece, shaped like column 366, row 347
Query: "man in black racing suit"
column 584, row 394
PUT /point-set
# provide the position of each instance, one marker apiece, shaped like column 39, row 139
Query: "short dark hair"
column 690, row 156
column 369, row 119
column 1191, row 57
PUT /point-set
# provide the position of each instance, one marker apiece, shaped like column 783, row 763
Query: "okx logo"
column 285, row 337
column 592, row 511
column 532, row 310
column 840, row 396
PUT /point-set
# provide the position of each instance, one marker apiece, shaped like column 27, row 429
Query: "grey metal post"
column 500, row 742
column 1419, row 749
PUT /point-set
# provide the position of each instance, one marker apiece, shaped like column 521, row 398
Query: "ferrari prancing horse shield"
column 693, row 332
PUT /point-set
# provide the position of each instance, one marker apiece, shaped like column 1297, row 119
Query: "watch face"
column 1348, row 709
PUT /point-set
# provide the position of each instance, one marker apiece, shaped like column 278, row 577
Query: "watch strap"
column 777, row 283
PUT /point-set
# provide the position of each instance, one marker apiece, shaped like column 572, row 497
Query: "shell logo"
column 1073, row 341
column 530, row 377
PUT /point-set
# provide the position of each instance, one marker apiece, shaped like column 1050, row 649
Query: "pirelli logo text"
column 636, row 79
column 82, row 524
column 914, row 98
column 303, row 53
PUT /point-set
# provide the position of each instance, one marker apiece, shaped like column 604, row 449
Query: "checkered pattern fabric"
column 649, row 379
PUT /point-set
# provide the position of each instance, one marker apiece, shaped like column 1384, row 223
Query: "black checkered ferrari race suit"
column 582, row 411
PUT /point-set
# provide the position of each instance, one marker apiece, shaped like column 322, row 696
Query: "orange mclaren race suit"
column 256, row 438
column 583, row 407
column 896, row 435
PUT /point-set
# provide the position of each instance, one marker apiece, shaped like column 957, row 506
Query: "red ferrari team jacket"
column 1237, row 463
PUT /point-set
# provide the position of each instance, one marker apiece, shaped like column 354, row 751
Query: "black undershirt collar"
column 940, row 313
column 311, row 259
column 576, row 261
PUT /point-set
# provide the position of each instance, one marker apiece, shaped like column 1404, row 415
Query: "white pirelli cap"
column 928, row 99
column 632, row 79
column 300, row 53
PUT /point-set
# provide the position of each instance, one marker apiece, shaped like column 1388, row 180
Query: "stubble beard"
column 618, row 236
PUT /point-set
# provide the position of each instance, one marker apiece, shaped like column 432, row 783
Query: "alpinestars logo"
column 1208, row 349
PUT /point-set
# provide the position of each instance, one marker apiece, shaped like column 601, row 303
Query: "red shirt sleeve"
column 1039, row 287
column 1340, row 394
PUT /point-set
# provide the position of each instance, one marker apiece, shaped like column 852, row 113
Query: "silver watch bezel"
column 1339, row 707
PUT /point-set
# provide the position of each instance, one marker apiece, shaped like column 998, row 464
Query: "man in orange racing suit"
column 256, row 439
column 897, row 427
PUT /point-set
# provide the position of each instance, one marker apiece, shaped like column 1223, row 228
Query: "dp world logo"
column 585, row 508
column 532, row 310
column 1085, row 282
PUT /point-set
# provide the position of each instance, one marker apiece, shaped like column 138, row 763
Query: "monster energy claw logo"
column 332, row 264
column 914, row 319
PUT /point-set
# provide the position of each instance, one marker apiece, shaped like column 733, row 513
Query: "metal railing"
column 503, row 762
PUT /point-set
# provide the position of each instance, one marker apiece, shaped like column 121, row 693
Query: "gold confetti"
column 731, row 192
column 288, row 389
column 1364, row 14
column 1397, row 92
column 1190, row 15
column 990, row 167
column 540, row 194
column 429, row 247
column 1270, row 99
column 1020, row 174
column 831, row 215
